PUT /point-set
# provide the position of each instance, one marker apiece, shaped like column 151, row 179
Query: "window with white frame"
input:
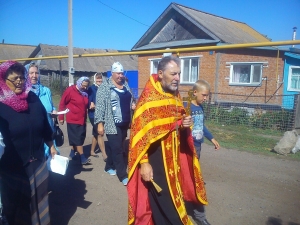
column 154, row 65
column 189, row 69
column 247, row 74
column 294, row 78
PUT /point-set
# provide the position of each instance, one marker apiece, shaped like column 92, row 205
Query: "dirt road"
column 242, row 188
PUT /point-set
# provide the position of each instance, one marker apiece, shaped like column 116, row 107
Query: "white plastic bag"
column 297, row 146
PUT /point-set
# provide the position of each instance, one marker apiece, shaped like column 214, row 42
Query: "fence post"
column 297, row 113
column 209, row 104
column 60, row 79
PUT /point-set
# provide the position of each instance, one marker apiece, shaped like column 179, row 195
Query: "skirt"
column 95, row 127
column 25, row 195
column 76, row 134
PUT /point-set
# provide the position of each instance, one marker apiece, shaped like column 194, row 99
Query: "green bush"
column 55, row 87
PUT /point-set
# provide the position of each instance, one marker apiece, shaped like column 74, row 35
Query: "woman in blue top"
column 44, row 95
column 98, row 79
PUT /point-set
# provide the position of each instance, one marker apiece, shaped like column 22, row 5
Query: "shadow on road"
column 278, row 221
column 67, row 193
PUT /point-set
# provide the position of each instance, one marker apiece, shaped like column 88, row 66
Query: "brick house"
column 242, row 73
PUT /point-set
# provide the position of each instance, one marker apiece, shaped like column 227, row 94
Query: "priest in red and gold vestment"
column 161, row 150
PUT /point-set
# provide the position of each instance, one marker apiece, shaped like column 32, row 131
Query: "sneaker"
column 84, row 160
column 202, row 222
column 111, row 172
column 125, row 181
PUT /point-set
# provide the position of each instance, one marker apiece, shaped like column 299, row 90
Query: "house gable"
column 185, row 26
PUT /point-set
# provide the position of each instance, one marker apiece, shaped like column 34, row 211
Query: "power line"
column 123, row 14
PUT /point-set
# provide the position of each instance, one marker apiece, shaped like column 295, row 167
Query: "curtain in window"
column 186, row 67
column 194, row 70
column 295, row 79
column 236, row 74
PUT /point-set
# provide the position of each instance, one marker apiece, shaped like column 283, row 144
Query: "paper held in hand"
column 58, row 165
column 61, row 112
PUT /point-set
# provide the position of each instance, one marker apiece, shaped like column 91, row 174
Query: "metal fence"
column 276, row 112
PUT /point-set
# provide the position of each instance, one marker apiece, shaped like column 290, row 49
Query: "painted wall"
column 133, row 80
column 213, row 68
column 290, row 60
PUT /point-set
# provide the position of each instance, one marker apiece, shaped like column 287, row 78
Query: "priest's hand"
column 146, row 171
column 186, row 121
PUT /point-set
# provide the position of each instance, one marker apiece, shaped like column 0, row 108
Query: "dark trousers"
column 162, row 206
column 116, row 153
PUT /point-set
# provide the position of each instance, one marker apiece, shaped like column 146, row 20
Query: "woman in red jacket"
column 75, row 98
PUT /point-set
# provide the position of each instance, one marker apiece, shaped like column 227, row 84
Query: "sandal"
column 96, row 156
column 86, row 161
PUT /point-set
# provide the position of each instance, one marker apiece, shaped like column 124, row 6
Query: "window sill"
column 293, row 90
column 245, row 85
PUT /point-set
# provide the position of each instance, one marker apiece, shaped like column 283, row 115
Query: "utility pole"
column 70, row 43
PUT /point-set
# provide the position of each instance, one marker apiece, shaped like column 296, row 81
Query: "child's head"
column 201, row 91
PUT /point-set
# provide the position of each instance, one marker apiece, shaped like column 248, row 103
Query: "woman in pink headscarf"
column 24, row 127
column 75, row 98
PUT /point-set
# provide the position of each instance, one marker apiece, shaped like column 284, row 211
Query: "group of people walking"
column 161, row 170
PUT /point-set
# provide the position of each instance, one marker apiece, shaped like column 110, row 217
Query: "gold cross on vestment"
column 177, row 198
column 168, row 146
column 189, row 100
column 171, row 172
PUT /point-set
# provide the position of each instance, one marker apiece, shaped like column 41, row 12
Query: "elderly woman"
column 98, row 78
column 114, row 103
column 44, row 95
column 25, row 129
column 75, row 98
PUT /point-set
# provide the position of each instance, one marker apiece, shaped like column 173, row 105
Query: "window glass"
column 189, row 70
column 194, row 70
column 295, row 79
column 185, row 70
column 246, row 73
column 154, row 65
column 256, row 73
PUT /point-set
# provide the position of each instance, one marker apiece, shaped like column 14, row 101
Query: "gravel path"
column 243, row 188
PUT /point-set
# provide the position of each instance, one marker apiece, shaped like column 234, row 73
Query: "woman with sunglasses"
column 25, row 128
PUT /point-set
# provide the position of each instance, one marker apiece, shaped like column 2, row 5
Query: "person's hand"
column 53, row 151
column 92, row 105
column 133, row 106
column 61, row 122
column 216, row 144
column 54, row 114
column 186, row 121
column 146, row 171
column 100, row 129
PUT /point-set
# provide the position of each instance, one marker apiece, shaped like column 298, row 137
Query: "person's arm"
column 91, row 97
column 65, row 99
column 210, row 137
column 49, row 95
column 47, row 134
column 101, row 104
column 2, row 145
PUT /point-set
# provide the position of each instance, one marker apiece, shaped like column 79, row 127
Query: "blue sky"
column 97, row 25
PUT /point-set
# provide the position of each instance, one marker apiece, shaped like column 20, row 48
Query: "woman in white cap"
column 114, row 104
